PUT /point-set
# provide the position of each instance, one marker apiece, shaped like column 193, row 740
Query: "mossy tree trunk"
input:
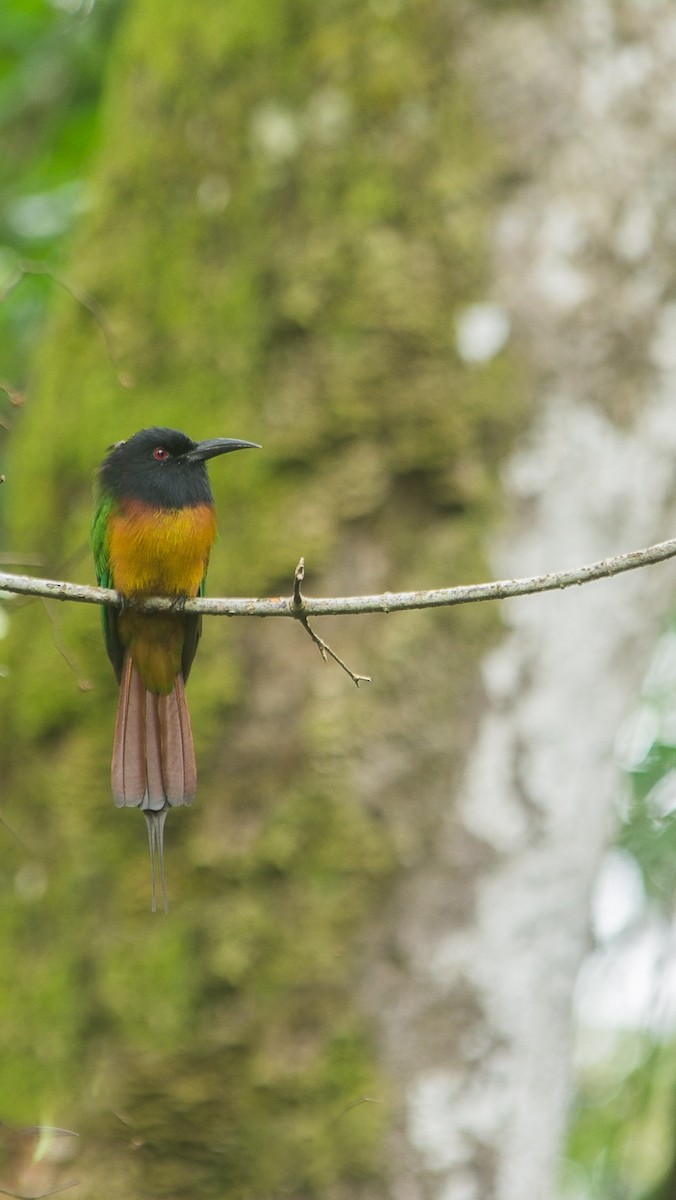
column 289, row 210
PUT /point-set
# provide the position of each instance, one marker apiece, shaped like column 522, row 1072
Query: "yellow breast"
column 160, row 551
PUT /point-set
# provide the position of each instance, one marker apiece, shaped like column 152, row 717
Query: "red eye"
column 160, row 453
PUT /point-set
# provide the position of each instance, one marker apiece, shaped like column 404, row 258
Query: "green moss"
column 289, row 210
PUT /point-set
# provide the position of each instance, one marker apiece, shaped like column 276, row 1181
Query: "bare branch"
column 281, row 606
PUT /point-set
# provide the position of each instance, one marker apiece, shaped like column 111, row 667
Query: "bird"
column 153, row 529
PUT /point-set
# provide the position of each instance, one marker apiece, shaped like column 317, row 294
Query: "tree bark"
column 582, row 265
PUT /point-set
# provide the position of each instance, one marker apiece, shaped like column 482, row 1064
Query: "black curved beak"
column 213, row 446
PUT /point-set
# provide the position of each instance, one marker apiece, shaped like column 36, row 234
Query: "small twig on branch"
column 325, row 650
column 298, row 577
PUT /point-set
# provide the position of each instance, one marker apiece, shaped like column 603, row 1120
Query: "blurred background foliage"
column 623, row 1139
column 52, row 59
column 252, row 199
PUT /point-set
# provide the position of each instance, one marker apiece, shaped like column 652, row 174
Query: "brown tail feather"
column 178, row 759
column 153, row 755
column 184, row 738
column 129, row 761
column 156, row 797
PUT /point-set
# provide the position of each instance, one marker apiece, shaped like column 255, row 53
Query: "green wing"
column 100, row 538
column 193, row 633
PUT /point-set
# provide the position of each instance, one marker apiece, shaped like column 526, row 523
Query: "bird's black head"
column 163, row 467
